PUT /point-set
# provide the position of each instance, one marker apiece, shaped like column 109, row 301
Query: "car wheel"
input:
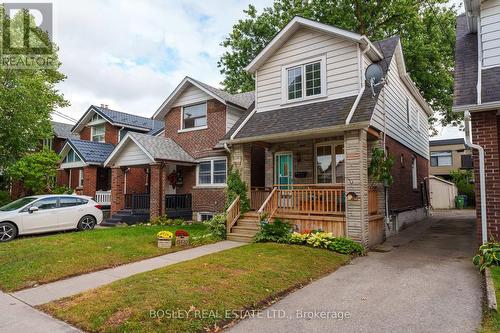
column 8, row 231
column 87, row 223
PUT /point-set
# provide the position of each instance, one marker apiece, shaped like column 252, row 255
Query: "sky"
column 131, row 54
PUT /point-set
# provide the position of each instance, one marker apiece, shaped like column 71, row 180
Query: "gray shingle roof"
column 90, row 151
column 62, row 130
column 443, row 142
column 162, row 148
column 127, row 119
column 243, row 100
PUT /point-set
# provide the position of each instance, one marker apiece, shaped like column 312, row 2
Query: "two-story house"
column 477, row 92
column 97, row 133
column 308, row 142
column 187, row 164
column 447, row 155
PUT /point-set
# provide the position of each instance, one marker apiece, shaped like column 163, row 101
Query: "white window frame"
column 211, row 184
column 414, row 177
column 80, row 177
column 332, row 144
column 203, row 213
column 197, row 128
column 437, row 152
column 48, row 143
column 302, row 64
column 92, row 128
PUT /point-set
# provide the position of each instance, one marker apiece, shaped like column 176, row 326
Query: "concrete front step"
column 237, row 237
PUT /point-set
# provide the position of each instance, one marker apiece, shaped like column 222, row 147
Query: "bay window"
column 212, row 172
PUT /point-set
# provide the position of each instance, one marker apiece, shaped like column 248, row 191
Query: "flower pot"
column 164, row 243
column 182, row 240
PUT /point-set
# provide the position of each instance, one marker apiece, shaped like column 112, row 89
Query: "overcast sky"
column 131, row 54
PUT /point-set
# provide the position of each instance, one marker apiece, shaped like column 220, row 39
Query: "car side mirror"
column 32, row 209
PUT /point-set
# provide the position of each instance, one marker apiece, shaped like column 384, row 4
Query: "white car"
column 44, row 213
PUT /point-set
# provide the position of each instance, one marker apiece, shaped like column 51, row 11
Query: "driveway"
column 425, row 283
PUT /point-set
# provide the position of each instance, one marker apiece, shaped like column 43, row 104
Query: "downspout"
column 479, row 61
column 482, row 180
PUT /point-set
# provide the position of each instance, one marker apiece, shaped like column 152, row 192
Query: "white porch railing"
column 103, row 197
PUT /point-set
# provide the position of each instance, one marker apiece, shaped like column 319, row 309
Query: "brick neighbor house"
column 477, row 90
column 95, row 136
column 306, row 146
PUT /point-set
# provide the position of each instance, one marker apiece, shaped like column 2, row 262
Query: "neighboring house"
column 306, row 147
column 477, row 90
column 187, row 164
column 447, row 155
column 98, row 131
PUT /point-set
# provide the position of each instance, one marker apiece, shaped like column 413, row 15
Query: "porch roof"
column 91, row 152
column 156, row 148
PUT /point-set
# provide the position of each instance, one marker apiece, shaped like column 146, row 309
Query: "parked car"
column 44, row 213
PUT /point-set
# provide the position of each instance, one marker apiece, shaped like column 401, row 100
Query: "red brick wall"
column 136, row 180
column 402, row 196
column 485, row 132
column 58, row 144
column 62, row 177
column 117, row 194
column 89, row 180
column 85, row 134
column 199, row 142
column 110, row 136
column 17, row 190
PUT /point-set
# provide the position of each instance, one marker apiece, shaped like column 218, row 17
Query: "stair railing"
column 270, row 205
column 233, row 213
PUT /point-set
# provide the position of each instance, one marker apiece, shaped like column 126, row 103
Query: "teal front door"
column 284, row 166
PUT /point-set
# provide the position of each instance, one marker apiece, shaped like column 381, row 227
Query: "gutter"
column 482, row 180
column 243, row 123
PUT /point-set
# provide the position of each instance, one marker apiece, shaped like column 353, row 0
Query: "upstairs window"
column 194, row 116
column 466, row 161
column 71, row 157
column 304, row 81
column 98, row 132
column 441, row 158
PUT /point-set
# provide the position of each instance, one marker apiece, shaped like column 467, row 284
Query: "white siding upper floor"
column 132, row 155
column 191, row 95
column 341, row 68
column 490, row 32
column 232, row 116
column 413, row 134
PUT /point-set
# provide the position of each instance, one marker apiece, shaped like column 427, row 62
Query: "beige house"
column 447, row 155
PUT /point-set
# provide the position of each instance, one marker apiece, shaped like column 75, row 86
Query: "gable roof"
column 155, row 147
column 62, row 130
column 297, row 22
column 91, row 152
column 242, row 100
column 117, row 118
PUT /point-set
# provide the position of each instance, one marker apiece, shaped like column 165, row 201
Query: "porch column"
column 241, row 160
column 356, row 181
column 117, row 189
column 156, row 190
column 89, row 180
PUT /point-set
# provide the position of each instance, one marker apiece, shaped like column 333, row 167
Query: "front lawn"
column 199, row 292
column 28, row 261
column 491, row 320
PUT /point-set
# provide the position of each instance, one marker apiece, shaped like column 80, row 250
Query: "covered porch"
column 316, row 182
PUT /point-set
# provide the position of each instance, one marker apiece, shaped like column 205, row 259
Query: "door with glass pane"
column 283, row 165
column 330, row 163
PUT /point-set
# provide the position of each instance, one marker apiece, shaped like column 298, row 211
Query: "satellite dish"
column 374, row 74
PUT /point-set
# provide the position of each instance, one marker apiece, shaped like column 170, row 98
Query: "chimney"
column 105, row 106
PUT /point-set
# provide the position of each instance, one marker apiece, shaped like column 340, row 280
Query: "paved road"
column 426, row 283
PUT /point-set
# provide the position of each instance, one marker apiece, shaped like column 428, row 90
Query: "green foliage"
column 235, row 187
column 4, row 198
column 36, row 171
column 380, row 167
column 345, row 245
column 463, row 178
column 426, row 29
column 279, row 231
column 164, row 220
column 217, row 226
column 488, row 255
column 298, row 238
column 27, row 97
column 64, row 189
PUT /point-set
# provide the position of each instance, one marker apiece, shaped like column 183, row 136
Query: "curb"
column 491, row 298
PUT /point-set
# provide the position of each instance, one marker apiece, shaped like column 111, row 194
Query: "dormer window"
column 194, row 116
column 305, row 80
column 98, row 132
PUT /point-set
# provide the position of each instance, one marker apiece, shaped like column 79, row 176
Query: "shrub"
column 298, row 238
column 165, row 234
column 164, row 220
column 62, row 190
column 4, row 198
column 217, row 226
column 320, row 239
column 181, row 233
column 345, row 245
column 487, row 256
column 279, row 231
column 235, row 187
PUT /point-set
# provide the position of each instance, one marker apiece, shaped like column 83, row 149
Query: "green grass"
column 242, row 278
column 491, row 320
column 28, row 261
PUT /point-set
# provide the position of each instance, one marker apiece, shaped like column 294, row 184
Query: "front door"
column 284, row 172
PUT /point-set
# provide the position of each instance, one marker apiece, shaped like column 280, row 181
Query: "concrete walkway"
column 72, row 286
column 426, row 283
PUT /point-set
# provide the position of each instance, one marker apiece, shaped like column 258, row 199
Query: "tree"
column 464, row 181
column 27, row 96
column 426, row 29
column 36, row 171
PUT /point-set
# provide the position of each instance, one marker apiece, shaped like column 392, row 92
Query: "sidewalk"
column 72, row 286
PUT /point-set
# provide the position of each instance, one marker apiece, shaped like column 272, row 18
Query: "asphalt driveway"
column 425, row 283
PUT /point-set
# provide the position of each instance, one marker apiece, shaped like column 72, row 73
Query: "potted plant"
column 164, row 239
column 181, row 237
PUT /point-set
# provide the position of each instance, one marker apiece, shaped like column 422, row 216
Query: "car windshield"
column 19, row 203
